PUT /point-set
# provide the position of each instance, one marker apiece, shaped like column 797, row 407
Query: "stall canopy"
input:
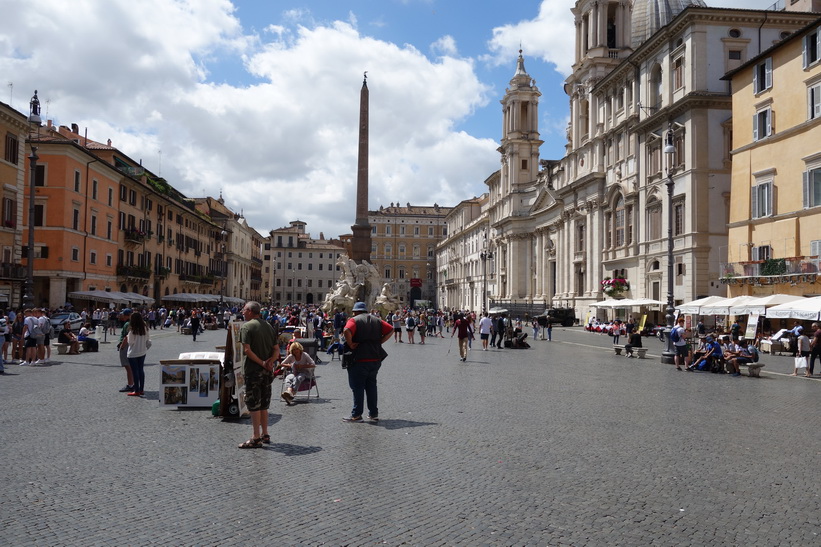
column 613, row 303
column 193, row 298
column 759, row 305
column 694, row 307
column 722, row 307
column 138, row 298
column 808, row 309
column 101, row 296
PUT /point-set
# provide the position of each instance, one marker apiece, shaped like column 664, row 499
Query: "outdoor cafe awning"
column 695, row 307
column 614, row 303
column 808, row 309
column 760, row 304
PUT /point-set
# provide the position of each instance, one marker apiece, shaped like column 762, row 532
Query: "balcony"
column 132, row 235
column 163, row 273
column 136, row 272
column 772, row 271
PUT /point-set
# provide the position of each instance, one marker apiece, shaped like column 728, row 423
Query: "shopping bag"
column 800, row 362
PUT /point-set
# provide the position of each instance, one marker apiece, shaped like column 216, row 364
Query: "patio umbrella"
column 808, row 309
column 694, row 307
column 759, row 305
column 723, row 307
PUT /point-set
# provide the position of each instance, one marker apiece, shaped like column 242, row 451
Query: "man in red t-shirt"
column 364, row 336
column 463, row 327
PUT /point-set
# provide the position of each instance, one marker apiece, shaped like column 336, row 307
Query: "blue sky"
column 259, row 99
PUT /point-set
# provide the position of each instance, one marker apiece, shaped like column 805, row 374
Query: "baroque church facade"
column 647, row 76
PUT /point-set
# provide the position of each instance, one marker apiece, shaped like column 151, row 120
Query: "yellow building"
column 775, row 206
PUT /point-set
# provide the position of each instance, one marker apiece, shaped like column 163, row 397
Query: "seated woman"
column 68, row 337
column 85, row 337
column 301, row 366
column 633, row 342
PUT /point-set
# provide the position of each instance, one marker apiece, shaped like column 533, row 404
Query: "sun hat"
column 126, row 311
column 360, row 306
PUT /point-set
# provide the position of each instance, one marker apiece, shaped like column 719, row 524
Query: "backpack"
column 753, row 353
column 48, row 329
column 703, row 365
column 675, row 336
column 36, row 331
column 411, row 322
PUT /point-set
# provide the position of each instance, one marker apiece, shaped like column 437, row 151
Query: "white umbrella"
column 694, row 307
column 613, row 303
column 808, row 309
column 759, row 305
column 99, row 296
column 723, row 307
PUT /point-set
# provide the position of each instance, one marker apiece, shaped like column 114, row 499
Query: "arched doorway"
column 415, row 294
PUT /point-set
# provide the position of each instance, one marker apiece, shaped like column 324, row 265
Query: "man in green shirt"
column 260, row 353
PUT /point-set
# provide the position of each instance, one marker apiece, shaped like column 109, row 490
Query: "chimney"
column 75, row 128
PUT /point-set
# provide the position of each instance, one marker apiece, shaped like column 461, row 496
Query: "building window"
column 77, row 181
column 387, row 229
column 401, row 272
column 814, row 101
column 678, row 218
column 94, row 186
column 416, row 230
column 416, row 251
column 75, row 254
column 402, row 250
column 619, row 221
column 40, row 176
column 12, row 150
column 401, row 230
column 75, row 221
column 92, row 257
column 656, row 84
column 734, row 54
column 763, row 124
column 761, row 200
column 387, row 272
column 608, row 231
column 812, row 188
column 654, row 158
column 763, row 252
column 430, row 251
column 654, row 220
column 763, row 76
column 93, row 225
column 812, row 45
column 678, row 73
column 373, row 230
column 388, row 250
column 580, row 235
column 9, row 213
column 108, row 260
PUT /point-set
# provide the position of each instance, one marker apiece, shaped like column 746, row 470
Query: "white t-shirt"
column 484, row 325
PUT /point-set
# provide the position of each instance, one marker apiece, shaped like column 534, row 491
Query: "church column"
column 620, row 25
column 541, row 269
column 591, row 27
column 579, row 52
column 603, row 23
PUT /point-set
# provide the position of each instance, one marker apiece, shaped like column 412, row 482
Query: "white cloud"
column 281, row 147
column 445, row 45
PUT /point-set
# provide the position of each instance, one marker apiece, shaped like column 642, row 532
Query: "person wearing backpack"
column 679, row 343
column 31, row 332
column 410, row 326
column 44, row 351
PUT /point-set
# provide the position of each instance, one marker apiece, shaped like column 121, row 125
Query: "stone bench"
column 753, row 369
column 642, row 352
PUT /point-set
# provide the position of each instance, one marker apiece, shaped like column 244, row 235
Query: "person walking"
column 815, row 348
column 137, row 344
column 195, row 324
column 501, row 329
column 260, row 351
column 462, row 327
column 122, row 347
column 680, row 344
column 485, row 324
column 364, row 336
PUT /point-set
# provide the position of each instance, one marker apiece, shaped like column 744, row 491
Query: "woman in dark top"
column 633, row 342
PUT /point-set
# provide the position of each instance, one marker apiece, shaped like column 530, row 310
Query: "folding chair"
column 305, row 387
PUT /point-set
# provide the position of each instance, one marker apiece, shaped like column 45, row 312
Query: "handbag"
column 347, row 359
column 800, row 362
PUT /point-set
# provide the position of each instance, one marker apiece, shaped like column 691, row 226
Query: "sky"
column 258, row 100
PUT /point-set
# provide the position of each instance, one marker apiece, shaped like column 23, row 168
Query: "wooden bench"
column 753, row 369
column 642, row 352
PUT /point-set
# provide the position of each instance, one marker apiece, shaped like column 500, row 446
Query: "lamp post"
column 668, row 356
column 293, row 285
column 223, row 269
column 485, row 255
column 28, row 289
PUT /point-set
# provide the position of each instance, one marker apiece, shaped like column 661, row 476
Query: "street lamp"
column 485, row 255
column 223, row 269
column 668, row 356
column 293, row 285
column 28, row 290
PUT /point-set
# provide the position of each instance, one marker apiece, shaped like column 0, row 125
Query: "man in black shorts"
column 260, row 352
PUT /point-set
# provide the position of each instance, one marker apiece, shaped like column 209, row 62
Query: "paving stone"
column 562, row 444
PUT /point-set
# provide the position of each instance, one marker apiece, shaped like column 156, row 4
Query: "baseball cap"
column 360, row 306
column 126, row 311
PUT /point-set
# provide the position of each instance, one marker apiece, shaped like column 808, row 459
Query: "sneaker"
column 37, row 363
column 352, row 419
column 126, row 388
column 134, row 394
column 373, row 418
column 736, row 374
column 287, row 397
column 24, row 364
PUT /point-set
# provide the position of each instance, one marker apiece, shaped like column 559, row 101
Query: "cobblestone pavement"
column 563, row 444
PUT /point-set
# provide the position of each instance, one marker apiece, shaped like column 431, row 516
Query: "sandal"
column 266, row 439
column 251, row 443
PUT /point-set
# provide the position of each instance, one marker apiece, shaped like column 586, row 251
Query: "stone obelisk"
column 361, row 242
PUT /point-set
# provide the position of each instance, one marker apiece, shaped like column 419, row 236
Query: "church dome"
column 651, row 15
